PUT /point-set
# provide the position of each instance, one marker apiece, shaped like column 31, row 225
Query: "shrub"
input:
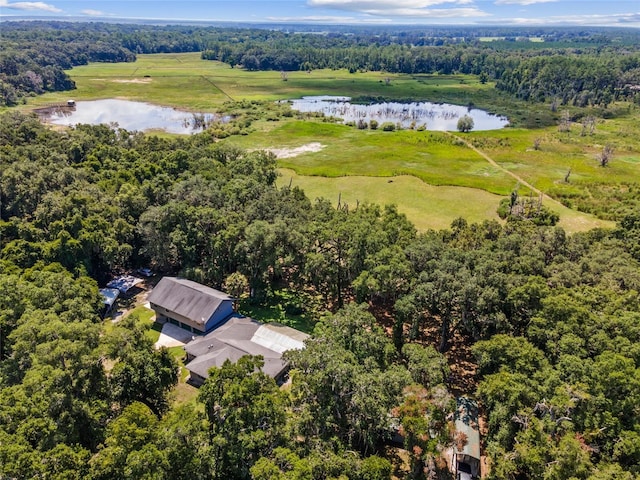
column 527, row 209
column 465, row 124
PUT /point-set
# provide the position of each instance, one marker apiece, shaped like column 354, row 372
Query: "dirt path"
column 207, row 79
column 495, row 164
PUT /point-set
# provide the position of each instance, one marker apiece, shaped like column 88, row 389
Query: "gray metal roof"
column 241, row 336
column 279, row 338
column 109, row 295
column 467, row 423
column 190, row 299
column 216, row 358
column 124, row 283
column 201, row 365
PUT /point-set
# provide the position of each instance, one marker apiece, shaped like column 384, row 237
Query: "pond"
column 130, row 116
column 434, row 116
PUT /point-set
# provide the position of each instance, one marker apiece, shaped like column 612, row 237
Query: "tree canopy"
column 540, row 326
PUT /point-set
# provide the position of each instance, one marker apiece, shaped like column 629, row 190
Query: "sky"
column 362, row 12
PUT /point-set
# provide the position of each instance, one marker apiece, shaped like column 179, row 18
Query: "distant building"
column 238, row 337
column 190, row 305
column 466, row 449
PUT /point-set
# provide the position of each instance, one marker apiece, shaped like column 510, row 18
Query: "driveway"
column 173, row 336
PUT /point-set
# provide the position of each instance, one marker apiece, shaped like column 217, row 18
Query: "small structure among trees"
column 124, row 283
column 109, row 297
column 466, row 448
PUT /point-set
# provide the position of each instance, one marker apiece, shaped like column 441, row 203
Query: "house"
column 466, row 450
column 238, row 337
column 190, row 305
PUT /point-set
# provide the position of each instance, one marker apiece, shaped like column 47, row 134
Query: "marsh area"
column 433, row 116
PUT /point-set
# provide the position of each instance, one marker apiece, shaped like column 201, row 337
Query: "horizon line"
column 182, row 21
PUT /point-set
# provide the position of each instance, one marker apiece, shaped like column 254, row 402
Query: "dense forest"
column 571, row 66
column 551, row 320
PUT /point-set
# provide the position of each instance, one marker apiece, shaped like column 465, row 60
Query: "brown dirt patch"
column 132, row 80
column 295, row 151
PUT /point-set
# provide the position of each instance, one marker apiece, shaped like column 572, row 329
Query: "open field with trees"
column 185, row 80
column 469, row 286
column 430, row 156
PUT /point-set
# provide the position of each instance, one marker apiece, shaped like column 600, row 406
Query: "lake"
column 434, row 116
column 130, row 116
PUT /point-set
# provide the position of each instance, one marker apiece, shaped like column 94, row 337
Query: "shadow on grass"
column 269, row 313
column 154, row 332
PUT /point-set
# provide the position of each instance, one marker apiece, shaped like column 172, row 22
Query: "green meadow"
column 432, row 157
column 431, row 176
column 427, row 206
column 185, row 80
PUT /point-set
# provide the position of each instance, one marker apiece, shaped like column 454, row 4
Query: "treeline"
column 603, row 66
column 33, row 57
column 553, row 322
column 576, row 79
column 579, row 77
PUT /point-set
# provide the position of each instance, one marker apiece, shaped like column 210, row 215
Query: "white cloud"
column 93, row 13
column 430, row 13
column 365, row 5
column 602, row 20
column 330, row 19
column 382, row 4
column 29, row 6
column 522, row 2
column 403, row 8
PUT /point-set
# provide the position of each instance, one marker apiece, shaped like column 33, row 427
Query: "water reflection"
column 434, row 116
column 131, row 116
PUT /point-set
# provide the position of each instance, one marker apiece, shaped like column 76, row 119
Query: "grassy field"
column 275, row 313
column 427, row 206
column 560, row 152
column 433, row 179
column 432, row 157
column 430, row 176
column 184, row 80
